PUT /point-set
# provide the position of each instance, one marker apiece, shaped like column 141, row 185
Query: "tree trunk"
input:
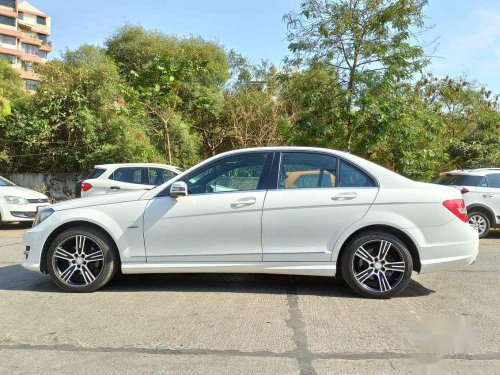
column 168, row 149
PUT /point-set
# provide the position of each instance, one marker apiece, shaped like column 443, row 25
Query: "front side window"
column 234, row 173
column 351, row 176
column 158, row 176
column 307, row 170
column 131, row 175
column 493, row 180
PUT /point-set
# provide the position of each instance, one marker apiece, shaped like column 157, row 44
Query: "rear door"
column 317, row 196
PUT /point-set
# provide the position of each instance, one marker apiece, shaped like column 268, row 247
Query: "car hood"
column 99, row 200
column 18, row 191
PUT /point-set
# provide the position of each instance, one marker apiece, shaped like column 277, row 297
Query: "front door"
column 316, row 199
column 219, row 219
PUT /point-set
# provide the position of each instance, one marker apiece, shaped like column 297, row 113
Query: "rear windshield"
column 96, row 173
column 459, row 180
column 5, row 182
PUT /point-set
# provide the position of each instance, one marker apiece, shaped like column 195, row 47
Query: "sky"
column 467, row 31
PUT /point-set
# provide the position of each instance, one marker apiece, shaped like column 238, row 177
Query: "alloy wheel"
column 378, row 265
column 478, row 222
column 78, row 261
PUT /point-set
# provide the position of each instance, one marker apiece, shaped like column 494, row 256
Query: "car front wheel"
column 81, row 259
column 376, row 265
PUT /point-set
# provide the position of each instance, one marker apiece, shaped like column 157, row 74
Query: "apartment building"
column 24, row 32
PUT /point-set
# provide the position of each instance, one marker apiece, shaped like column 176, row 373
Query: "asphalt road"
column 248, row 324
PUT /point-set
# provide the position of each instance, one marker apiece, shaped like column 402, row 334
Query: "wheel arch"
column 68, row 225
column 483, row 209
column 409, row 243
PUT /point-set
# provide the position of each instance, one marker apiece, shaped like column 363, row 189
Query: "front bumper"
column 21, row 212
column 34, row 240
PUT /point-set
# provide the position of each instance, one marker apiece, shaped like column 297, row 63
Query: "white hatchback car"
column 115, row 178
column 481, row 192
column 19, row 204
column 302, row 211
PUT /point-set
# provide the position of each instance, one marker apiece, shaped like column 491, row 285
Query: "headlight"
column 15, row 200
column 42, row 215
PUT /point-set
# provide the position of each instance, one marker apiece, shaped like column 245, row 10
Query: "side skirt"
column 286, row 268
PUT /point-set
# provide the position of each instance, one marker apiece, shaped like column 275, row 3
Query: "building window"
column 27, row 66
column 41, row 20
column 30, row 49
column 20, row 15
column 31, row 84
column 9, row 21
column 42, row 37
column 11, row 59
column 7, row 39
column 42, row 54
column 8, row 3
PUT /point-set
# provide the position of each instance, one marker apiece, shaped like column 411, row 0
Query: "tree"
column 75, row 119
column 174, row 78
column 370, row 44
column 10, row 87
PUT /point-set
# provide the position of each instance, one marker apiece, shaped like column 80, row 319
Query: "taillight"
column 86, row 186
column 457, row 208
column 464, row 190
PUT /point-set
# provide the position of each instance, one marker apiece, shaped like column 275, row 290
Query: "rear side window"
column 493, row 180
column 131, row 175
column 300, row 170
column 351, row 176
column 96, row 173
column 459, row 180
column 158, row 176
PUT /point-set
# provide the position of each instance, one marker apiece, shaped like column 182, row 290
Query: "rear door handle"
column 487, row 195
column 344, row 196
column 115, row 188
column 244, row 202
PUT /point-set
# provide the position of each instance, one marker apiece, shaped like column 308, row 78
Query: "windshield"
column 459, row 180
column 5, row 182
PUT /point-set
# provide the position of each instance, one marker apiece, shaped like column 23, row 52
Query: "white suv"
column 114, row 178
column 481, row 191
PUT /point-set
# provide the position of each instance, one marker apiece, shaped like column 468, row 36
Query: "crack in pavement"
column 489, row 356
column 296, row 323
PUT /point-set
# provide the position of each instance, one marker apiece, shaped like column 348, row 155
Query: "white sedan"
column 116, row 178
column 302, row 211
column 19, row 204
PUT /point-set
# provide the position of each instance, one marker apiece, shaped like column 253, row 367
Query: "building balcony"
column 11, row 51
column 8, row 12
column 31, row 58
column 29, row 40
column 44, row 29
column 46, row 47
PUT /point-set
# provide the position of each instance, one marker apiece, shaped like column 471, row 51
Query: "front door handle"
column 344, row 196
column 244, row 202
column 115, row 188
column 487, row 195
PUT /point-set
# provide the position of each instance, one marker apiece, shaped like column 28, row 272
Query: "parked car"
column 19, row 204
column 114, row 178
column 481, row 192
column 369, row 225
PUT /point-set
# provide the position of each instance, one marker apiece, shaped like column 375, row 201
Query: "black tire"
column 103, row 269
column 380, row 283
column 483, row 216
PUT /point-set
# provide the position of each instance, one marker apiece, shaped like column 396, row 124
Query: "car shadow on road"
column 16, row 226
column 15, row 278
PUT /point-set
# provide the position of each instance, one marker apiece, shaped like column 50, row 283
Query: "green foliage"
column 10, row 88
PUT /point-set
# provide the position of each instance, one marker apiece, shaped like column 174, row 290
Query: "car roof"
column 473, row 172
column 119, row 165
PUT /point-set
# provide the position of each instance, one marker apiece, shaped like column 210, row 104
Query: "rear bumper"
column 452, row 246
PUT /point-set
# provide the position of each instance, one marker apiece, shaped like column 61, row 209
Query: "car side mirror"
column 178, row 189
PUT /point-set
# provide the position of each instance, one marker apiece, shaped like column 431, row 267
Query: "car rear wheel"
column 81, row 259
column 479, row 222
column 377, row 265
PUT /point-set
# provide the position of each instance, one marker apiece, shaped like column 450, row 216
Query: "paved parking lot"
column 255, row 324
